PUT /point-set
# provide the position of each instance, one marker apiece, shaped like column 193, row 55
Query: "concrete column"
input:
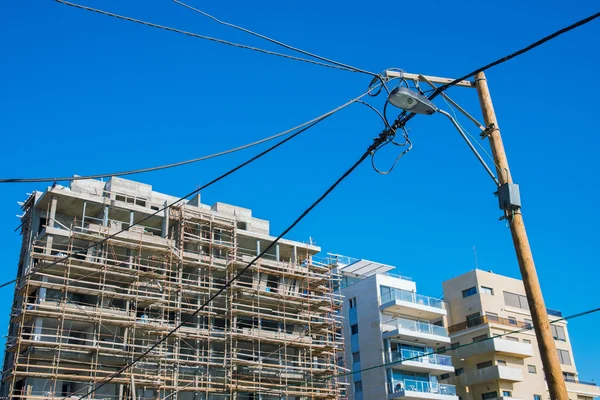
column 52, row 216
column 165, row 225
column 105, row 216
column 131, row 218
column 83, row 214
column 277, row 252
column 50, row 224
column 294, row 254
column 257, row 247
column 37, row 329
column 42, row 292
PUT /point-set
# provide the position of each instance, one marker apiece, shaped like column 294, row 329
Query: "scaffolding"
column 273, row 334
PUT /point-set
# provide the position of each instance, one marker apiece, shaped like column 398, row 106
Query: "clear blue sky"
column 85, row 93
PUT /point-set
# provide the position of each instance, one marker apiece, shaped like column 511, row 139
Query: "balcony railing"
column 580, row 382
column 555, row 313
column 419, row 356
column 486, row 319
column 423, row 387
column 415, row 326
column 411, row 297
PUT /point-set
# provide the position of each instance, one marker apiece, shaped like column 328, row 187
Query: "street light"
column 409, row 100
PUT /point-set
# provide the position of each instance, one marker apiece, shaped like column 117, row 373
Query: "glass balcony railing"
column 423, row 387
column 412, row 297
column 419, row 356
column 415, row 326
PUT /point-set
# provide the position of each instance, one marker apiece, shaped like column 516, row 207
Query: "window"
column 489, row 395
column 516, row 300
column 531, row 369
column 473, row 320
column 512, row 338
column 356, row 357
column 569, row 376
column 501, row 362
column 454, row 345
column 480, row 338
column 526, row 341
column 459, row 371
column 512, row 320
column 441, row 349
column 358, row 386
column 487, row 290
column 352, row 302
column 484, row 364
column 444, row 376
column 537, row 397
column 354, row 329
column 564, row 357
column 506, row 393
column 528, row 323
column 558, row 332
column 470, row 291
column 492, row 316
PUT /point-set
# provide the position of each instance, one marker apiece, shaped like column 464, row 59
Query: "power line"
column 160, row 167
column 376, row 143
column 196, row 35
column 404, row 118
column 306, row 127
column 277, row 42
column 527, row 328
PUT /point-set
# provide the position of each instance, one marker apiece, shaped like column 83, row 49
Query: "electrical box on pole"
column 509, row 197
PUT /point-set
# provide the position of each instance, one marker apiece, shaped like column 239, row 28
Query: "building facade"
column 273, row 334
column 385, row 320
column 483, row 304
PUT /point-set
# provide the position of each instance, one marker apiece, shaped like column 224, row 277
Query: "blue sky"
column 85, row 93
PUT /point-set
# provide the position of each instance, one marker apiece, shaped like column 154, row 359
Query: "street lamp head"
column 412, row 101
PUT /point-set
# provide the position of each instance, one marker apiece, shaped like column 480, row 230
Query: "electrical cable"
column 196, row 35
column 306, row 127
column 277, row 42
column 376, row 143
column 528, row 328
column 391, row 140
column 402, row 120
column 157, row 168
column 471, row 136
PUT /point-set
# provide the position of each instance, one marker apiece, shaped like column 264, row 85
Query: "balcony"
column 404, row 302
column 417, row 361
column 422, row 390
column 422, row 332
column 497, row 345
column 487, row 319
column 489, row 374
column 582, row 388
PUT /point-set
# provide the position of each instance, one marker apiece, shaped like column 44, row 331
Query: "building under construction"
column 82, row 311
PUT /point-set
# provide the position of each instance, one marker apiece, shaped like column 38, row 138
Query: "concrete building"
column 272, row 335
column 483, row 304
column 385, row 320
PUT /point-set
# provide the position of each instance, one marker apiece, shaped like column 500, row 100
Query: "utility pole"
column 539, row 315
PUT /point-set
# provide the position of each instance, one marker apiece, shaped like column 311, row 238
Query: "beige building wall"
column 510, row 366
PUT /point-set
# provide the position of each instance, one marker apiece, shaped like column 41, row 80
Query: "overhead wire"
column 376, row 142
column 196, row 35
column 277, row 42
column 404, row 117
column 455, row 347
column 311, row 123
column 157, row 168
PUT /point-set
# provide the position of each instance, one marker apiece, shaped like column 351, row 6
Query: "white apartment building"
column 483, row 304
column 385, row 320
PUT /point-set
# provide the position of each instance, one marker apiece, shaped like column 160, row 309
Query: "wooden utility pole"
column 539, row 315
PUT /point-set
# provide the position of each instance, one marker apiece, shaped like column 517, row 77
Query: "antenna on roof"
column 475, row 255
